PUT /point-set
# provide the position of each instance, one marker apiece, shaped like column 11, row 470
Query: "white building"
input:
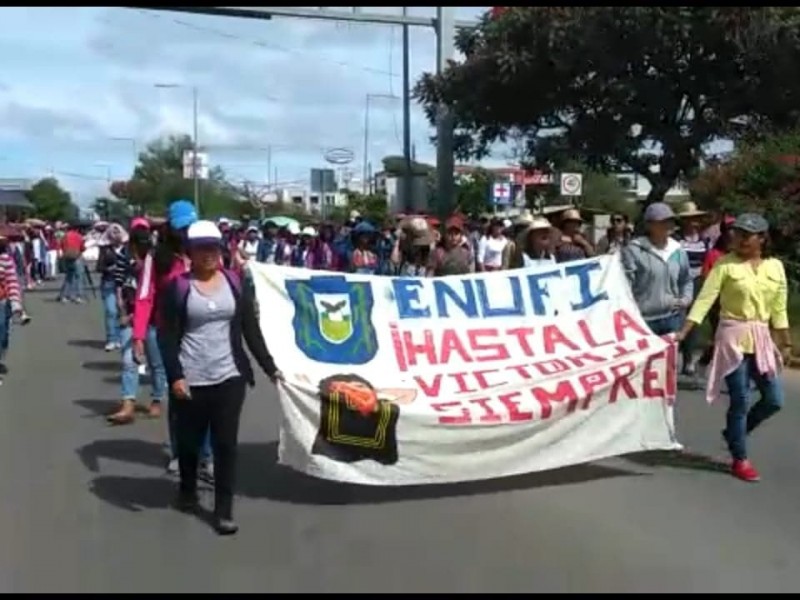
column 312, row 202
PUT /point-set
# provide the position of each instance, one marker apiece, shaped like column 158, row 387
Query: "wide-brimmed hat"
column 689, row 209
column 524, row 218
column 422, row 238
column 572, row 214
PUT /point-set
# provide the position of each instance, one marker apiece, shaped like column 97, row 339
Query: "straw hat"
column 689, row 209
column 524, row 218
column 572, row 214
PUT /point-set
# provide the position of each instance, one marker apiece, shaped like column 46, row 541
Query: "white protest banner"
column 394, row 381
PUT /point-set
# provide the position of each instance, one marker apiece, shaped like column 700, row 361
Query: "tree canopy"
column 641, row 88
column 51, row 202
column 158, row 180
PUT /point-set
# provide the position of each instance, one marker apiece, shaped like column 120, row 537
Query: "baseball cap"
column 454, row 223
column 751, row 223
column 658, row 211
column 140, row 223
column 181, row 214
column 203, row 232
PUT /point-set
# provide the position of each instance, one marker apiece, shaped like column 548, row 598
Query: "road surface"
column 84, row 506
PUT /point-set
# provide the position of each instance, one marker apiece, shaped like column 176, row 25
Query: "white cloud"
column 73, row 78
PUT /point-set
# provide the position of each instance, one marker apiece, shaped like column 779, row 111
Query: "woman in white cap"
column 248, row 247
column 752, row 291
column 207, row 314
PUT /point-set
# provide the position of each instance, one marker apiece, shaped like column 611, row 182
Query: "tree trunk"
column 658, row 190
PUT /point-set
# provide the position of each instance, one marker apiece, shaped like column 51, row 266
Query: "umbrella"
column 283, row 221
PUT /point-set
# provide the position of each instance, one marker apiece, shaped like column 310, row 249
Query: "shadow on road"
column 98, row 408
column 261, row 477
column 129, row 450
column 678, row 459
column 134, row 493
column 102, row 365
column 115, row 379
column 93, row 344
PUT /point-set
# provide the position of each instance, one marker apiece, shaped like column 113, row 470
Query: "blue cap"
column 658, row 211
column 181, row 214
column 751, row 223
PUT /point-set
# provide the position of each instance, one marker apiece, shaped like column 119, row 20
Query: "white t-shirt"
column 527, row 261
column 490, row 251
column 249, row 248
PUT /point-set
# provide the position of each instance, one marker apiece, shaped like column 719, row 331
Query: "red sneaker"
column 744, row 470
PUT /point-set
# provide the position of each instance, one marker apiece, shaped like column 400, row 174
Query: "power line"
column 264, row 45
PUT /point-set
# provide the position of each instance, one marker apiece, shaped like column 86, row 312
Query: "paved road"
column 84, row 507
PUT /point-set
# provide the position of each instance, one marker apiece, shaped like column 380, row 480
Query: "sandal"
column 125, row 415
column 154, row 412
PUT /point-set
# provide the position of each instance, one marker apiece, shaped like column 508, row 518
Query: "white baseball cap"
column 203, row 232
column 310, row 231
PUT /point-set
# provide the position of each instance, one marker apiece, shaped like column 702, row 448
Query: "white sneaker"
column 110, row 346
column 142, row 370
column 172, row 467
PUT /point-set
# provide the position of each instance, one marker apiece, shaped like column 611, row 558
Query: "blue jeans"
column 665, row 325
column 108, row 292
column 741, row 419
column 5, row 327
column 72, row 288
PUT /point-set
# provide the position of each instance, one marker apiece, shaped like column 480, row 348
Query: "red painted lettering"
column 397, row 344
column 489, row 350
column 672, row 372
column 461, row 382
column 522, row 334
column 590, row 383
column 553, row 337
column 431, row 390
column 651, row 376
column 551, row 367
column 621, row 374
column 480, row 377
column 488, row 416
column 521, row 370
column 426, row 347
column 452, row 416
column 564, row 392
column 450, row 344
column 622, row 322
column 580, row 360
column 512, row 406
column 583, row 326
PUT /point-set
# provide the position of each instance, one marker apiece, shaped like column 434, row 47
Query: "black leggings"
column 218, row 407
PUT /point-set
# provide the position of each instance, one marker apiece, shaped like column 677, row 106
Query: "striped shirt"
column 696, row 249
column 9, row 282
column 124, row 273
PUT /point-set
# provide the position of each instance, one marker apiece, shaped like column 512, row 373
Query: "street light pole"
column 366, row 134
column 195, row 146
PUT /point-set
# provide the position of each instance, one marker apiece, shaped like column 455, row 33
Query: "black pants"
column 218, row 407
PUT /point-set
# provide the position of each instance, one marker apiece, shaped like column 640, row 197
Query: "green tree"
column 158, row 180
column 763, row 177
column 473, row 190
column 51, row 202
column 635, row 88
column 372, row 207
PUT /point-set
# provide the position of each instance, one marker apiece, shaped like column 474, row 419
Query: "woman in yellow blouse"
column 752, row 293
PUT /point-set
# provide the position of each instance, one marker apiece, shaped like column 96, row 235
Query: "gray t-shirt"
column 206, row 355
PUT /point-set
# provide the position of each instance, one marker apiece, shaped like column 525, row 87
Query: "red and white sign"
column 571, row 184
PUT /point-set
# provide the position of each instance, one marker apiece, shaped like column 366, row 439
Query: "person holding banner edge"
column 752, row 291
column 207, row 313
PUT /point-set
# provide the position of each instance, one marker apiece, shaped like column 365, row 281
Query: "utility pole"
column 195, row 148
column 444, row 24
column 408, row 176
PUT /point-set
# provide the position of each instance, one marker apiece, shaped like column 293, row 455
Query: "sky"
column 78, row 93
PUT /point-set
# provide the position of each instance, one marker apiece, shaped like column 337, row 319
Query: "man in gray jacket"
column 658, row 270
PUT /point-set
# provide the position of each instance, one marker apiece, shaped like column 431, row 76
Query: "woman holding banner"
column 752, row 293
column 206, row 314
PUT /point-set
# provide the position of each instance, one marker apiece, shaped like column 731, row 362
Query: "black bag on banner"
column 355, row 424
